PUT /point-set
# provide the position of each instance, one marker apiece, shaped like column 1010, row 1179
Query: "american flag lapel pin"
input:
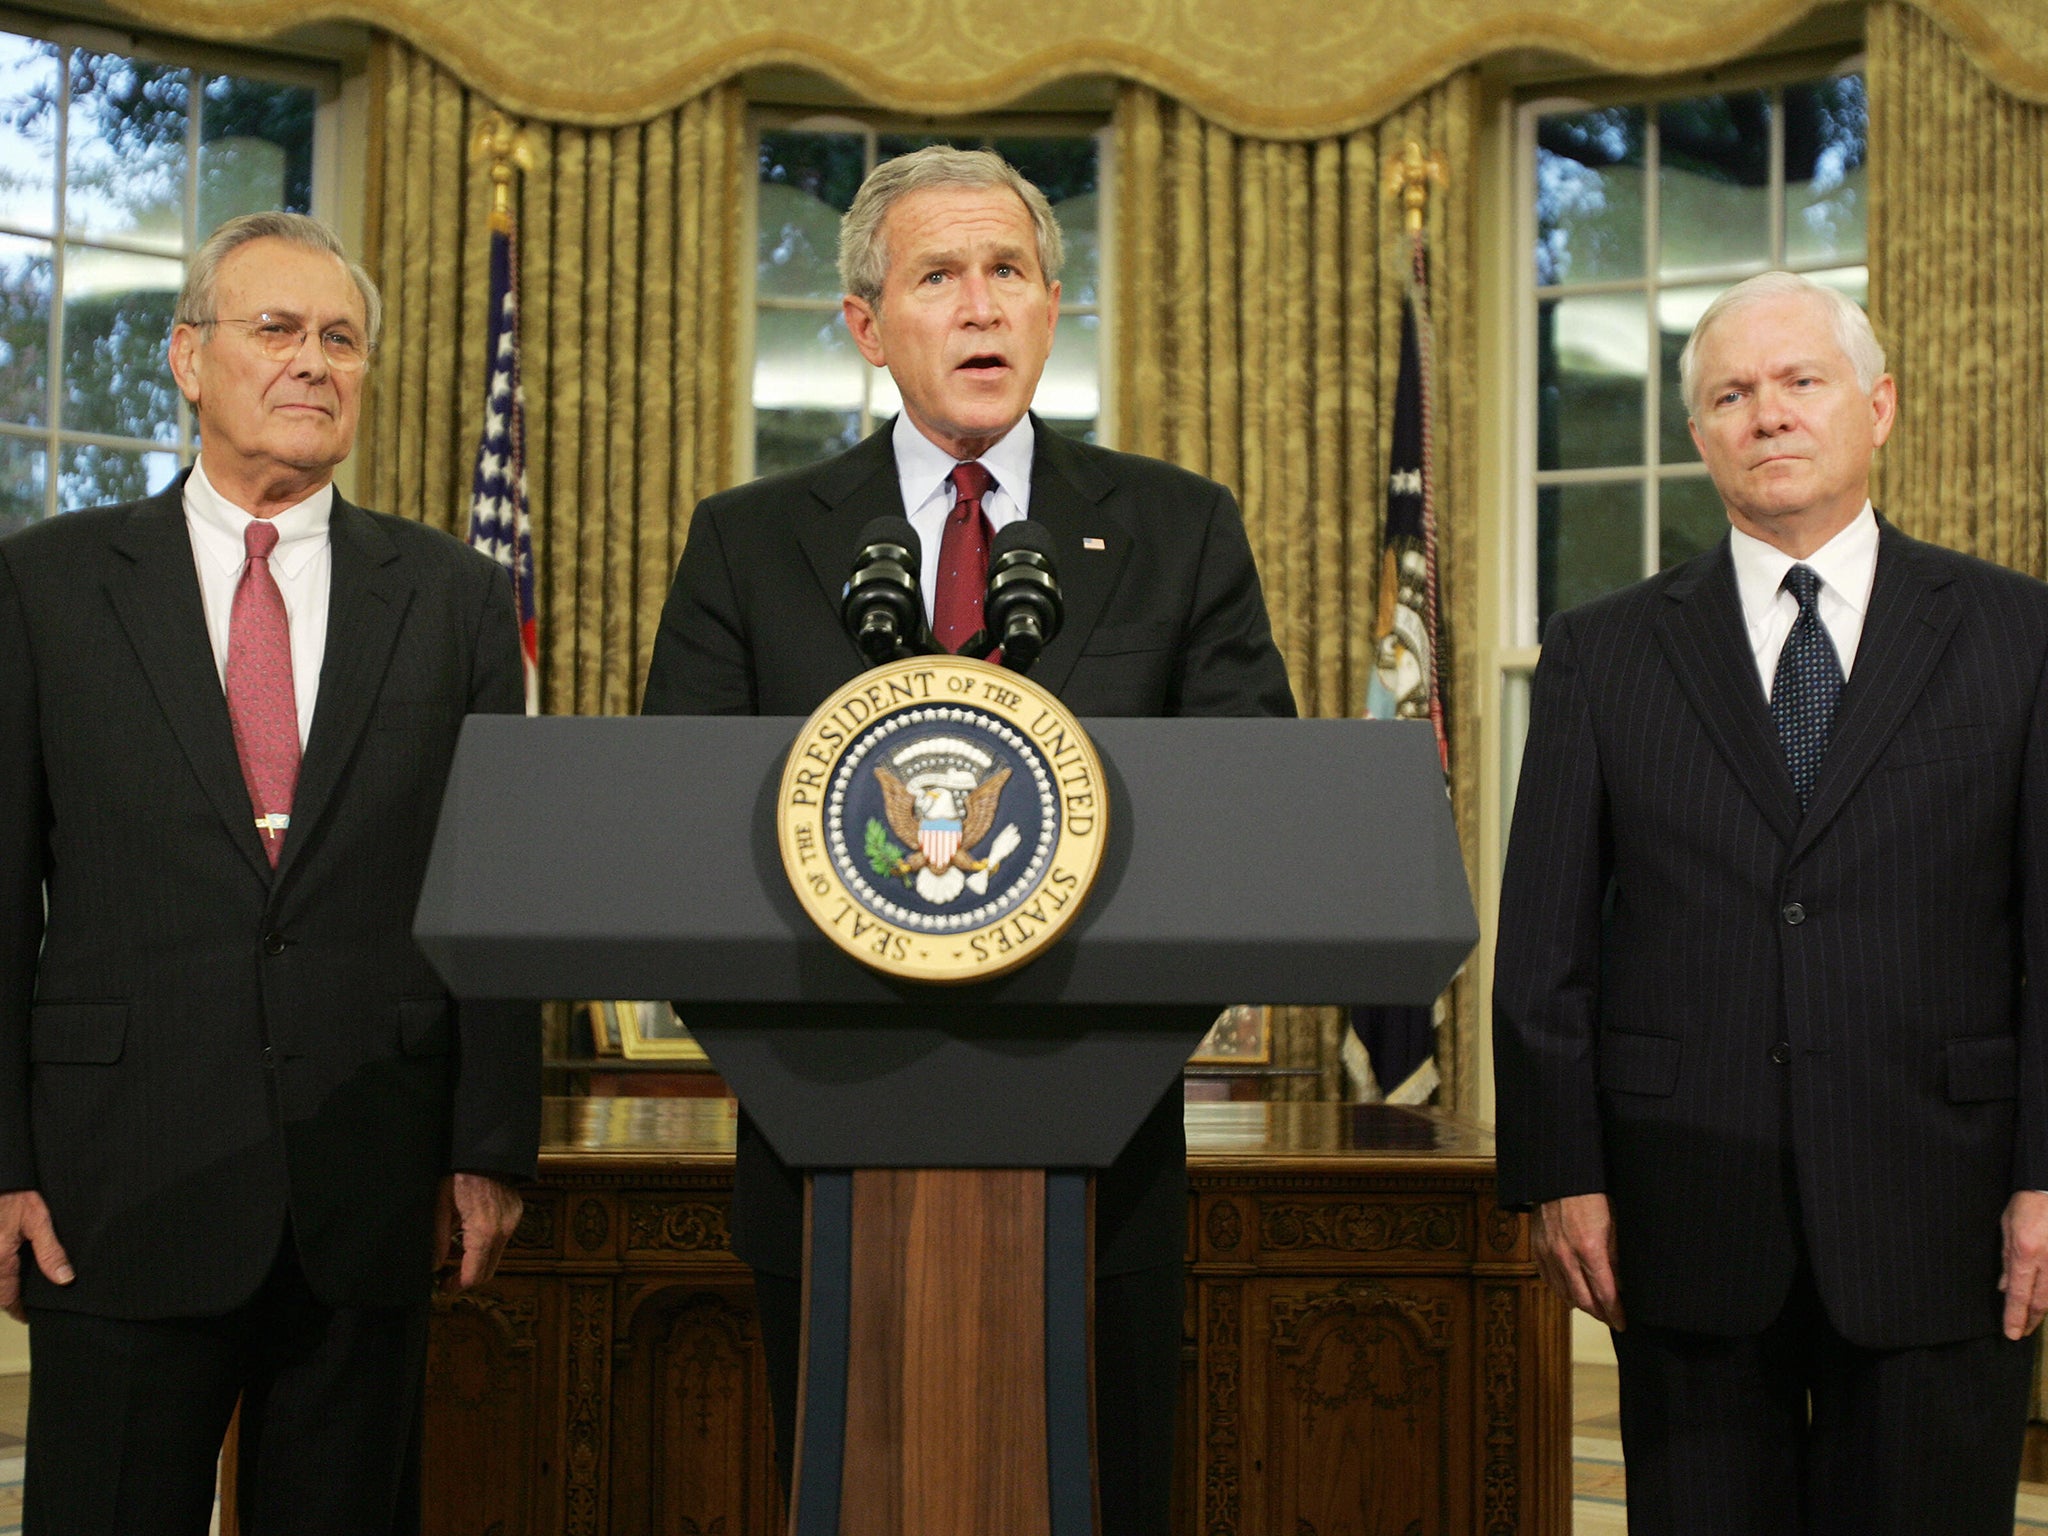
column 1089, row 543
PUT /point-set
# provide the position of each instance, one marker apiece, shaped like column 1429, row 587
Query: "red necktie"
column 261, row 702
column 963, row 560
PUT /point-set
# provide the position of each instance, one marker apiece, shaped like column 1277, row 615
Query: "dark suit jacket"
column 193, row 1048
column 1761, row 1032
column 1166, row 619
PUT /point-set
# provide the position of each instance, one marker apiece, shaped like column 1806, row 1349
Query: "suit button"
column 269, row 1055
column 1795, row 914
column 1781, row 1053
column 273, row 943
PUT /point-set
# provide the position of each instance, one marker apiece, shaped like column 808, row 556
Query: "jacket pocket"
column 1983, row 1068
column 1944, row 743
column 88, row 1033
column 424, row 1026
column 1637, row 1063
column 1122, row 639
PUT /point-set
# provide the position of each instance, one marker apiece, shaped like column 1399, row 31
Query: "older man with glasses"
column 241, row 1120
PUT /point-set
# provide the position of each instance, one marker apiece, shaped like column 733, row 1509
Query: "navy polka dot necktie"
column 1807, row 687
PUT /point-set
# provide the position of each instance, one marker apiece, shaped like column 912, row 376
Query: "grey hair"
column 198, row 302
column 864, row 254
column 1853, row 333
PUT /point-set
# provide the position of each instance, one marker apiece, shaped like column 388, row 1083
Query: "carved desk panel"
column 1367, row 1347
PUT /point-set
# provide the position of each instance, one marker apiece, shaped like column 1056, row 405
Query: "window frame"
column 768, row 118
column 327, row 82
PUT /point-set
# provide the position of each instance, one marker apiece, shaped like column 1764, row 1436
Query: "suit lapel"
column 154, row 588
column 853, row 490
column 1912, row 614
column 1707, row 646
column 367, row 599
column 1069, row 499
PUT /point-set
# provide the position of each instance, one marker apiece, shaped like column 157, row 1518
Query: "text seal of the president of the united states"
column 942, row 819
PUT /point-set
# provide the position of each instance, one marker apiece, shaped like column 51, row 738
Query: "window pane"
column 1080, row 228
column 22, row 473
column 889, row 145
column 1852, row 282
column 1070, row 391
column 1714, row 181
column 117, row 327
column 24, row 330
column 792, row 439
column 1589, row 540
column 828, row 166
column 1826, row 130
column 799, row 238
column 126, row 176
column 28, row 132
column 805, row 360
column 1678, row 311
column 92, row 476
column 255, row 149
column 1061, row 168
column 1589, row 196
column 1690, row 518
column 1591, row 357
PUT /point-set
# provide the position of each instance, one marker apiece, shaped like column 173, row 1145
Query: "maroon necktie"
column 963, row 560
column 261, row 702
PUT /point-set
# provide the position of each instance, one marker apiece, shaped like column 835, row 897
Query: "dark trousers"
column 1137, row 1374
column 1798, row 1432
column 125, row 1419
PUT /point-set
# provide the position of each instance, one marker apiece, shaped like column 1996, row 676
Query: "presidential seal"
column 942, row 819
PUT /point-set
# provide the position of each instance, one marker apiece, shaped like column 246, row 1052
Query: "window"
column 1638, row 215
column 112, row 169
column 814, row 395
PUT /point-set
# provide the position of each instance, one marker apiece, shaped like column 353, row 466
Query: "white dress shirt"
column 923, row 469
column 301, row 565
column 1846, row 566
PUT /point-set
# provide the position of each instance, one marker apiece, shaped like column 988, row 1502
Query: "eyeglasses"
column 279, row 338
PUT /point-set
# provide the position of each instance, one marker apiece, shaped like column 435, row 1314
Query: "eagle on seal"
column 925, row 820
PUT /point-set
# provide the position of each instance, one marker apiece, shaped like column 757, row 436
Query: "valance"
column 1281, row 69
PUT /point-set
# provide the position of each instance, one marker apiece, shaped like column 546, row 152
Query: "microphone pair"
column 884, row 604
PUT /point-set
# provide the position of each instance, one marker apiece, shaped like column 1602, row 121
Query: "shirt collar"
column 301, row 528
column 922, row 465
column 1846, row 565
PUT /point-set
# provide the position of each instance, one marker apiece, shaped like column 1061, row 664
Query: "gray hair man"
column 241, row 1120
column 951, row 264
column 1768, row 1076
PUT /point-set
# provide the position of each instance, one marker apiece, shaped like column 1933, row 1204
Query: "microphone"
column 1023, row 610
column 883, row 609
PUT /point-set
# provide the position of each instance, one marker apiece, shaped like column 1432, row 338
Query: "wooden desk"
column 1367, row 1347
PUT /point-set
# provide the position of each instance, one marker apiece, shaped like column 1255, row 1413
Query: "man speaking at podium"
column 950, row 260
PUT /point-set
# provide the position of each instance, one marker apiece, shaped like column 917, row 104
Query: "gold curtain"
column 1959, row 293
column 1258, row 306
column 629, row 245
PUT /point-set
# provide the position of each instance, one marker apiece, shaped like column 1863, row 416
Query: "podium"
column 950, row 1130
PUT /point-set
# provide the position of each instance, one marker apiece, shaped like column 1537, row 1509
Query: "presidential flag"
column 499, row 523
column 1401, row 1041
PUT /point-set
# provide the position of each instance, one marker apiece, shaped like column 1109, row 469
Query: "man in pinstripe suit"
column 1771, row 1072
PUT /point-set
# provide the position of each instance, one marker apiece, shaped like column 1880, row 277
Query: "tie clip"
column 276, row 821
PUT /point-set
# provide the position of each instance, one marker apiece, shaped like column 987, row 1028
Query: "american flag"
column 1404, row 684
column 499, row 524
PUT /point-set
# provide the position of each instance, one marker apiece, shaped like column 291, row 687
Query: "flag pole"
column 500, row 522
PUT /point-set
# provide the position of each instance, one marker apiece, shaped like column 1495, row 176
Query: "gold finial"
column 1410, row 174
column 507, row 148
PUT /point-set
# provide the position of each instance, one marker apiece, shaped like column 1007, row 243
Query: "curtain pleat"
column 1959, row 293
column 1258, row 340
column 629, row 255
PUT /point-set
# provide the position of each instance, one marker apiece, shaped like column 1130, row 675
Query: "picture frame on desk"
column 1242, row 1036
column 650, row 1031
column 606, row 1038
